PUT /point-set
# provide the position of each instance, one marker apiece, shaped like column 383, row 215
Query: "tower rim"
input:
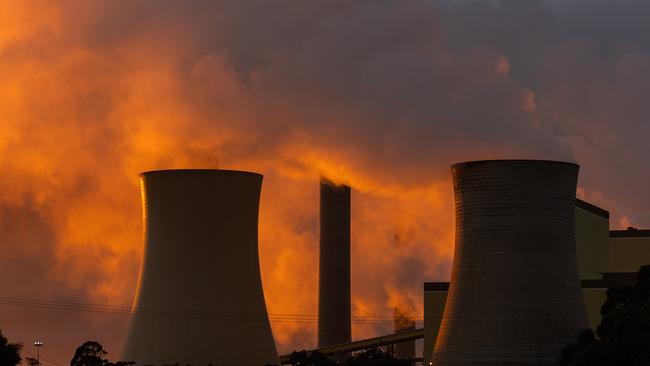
column 523, row 161
column 205, row 171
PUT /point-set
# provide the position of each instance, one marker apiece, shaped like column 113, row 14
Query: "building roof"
column 612, row 279
column 630, row 233
column 592, row 208
column 609, row 280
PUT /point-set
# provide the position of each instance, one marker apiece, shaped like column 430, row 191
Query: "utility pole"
column 38, row 345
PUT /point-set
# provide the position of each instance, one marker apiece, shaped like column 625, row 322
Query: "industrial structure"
column 606, row 258
column 385, row 343
column 515, row 295
column 334, row 304
column 404, row 323
column 200, row 297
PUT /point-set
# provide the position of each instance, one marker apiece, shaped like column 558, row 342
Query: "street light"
column 38, row 345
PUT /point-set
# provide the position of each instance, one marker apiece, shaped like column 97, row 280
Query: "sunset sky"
column 381, row 95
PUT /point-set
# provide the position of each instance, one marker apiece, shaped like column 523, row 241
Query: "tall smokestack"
column 404, row 323
column 334, row 308
column 200, row 299
column 514, row 296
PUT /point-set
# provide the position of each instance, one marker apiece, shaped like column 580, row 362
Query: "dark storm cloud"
column 396, row 79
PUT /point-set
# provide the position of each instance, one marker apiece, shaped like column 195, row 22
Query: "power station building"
column 200, row 299
column 531, row 267
column 605, row 258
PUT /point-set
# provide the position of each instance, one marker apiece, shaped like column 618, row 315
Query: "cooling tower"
column 334, row 270
column 200, row 297
column 515, row 296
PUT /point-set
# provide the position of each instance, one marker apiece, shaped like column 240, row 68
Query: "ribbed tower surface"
column 200, row 297
column 515, row 295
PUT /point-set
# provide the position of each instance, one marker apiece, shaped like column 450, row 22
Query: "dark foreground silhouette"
column 373, row 357
column 92, row 353
column 623, row 335
column 9, row 352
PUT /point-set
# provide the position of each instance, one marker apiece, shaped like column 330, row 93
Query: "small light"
column 38, row 344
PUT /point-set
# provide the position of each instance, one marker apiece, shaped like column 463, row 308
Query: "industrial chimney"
column 334, row 270
column 515, row 296
column 404, row 323
column 200, row 297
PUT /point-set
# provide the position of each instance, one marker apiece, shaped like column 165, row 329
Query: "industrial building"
column 199, row 298
column 606, row 258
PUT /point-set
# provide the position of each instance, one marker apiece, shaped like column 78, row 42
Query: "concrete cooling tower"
column 200, row 297
column 334, row 307
column 515, row 296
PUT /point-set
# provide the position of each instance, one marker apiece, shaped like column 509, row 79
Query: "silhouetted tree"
column 623, row 336
column 92, row 353
column 303, row 358
column 372, row 357
column 9, row 352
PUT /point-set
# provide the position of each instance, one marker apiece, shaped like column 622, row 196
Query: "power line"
column 43, row 358
column 182, row 313
column 195, row 314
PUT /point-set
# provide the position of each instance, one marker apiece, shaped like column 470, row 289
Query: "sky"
column 382, row 95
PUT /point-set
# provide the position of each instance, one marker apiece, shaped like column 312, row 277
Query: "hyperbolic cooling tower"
column 515, row 296
column 334, row 308
column 200, row 297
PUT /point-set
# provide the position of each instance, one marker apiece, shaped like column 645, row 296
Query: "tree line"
column 371, row 357
column 623, row 335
